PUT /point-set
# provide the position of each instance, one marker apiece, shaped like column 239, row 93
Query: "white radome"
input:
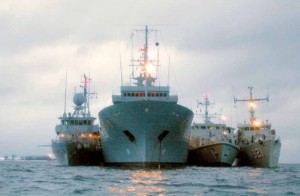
column 79, row 99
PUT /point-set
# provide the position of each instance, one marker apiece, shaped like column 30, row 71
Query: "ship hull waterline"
column 77, row 154
column 213, row 155
column 145, row 134
column 260, row 154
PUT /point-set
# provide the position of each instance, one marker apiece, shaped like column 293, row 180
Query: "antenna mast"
column 251, row 102
column 121, row 70
column 169, row 69
column 206, row 103
column 145, row 77
column 65, row 114
column 146, row 46
column 85, row 81
column 132, row 59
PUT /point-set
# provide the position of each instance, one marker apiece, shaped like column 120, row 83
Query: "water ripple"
column 46, row 178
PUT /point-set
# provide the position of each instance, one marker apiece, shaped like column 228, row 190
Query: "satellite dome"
column 79, row 99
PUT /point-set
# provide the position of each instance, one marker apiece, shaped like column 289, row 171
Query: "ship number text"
column 256, row 153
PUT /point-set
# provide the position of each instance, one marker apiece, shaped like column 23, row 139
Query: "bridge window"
column 142, row 94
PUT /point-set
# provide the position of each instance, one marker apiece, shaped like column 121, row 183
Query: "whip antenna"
column 169, row 70
column 121, row 70
column 65, row 95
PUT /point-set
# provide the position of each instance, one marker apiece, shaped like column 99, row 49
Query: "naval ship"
column 211, row 144
column 260, row 147
column 78, row 137
column 145, row 127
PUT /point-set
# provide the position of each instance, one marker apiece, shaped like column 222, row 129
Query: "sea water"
column 47, row 178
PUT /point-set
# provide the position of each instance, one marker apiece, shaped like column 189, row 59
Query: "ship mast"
column 144, row 78
column 207, row 103
column 65, row 104
column 147, row 76
column 251, row 102
column 86, row 108
column 88, row 94
column 82, row 100
column 146, row 47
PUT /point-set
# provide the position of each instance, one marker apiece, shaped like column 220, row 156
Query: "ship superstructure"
column 78, row 137
column 211, row 144
column 260, row 147
column 145, row 126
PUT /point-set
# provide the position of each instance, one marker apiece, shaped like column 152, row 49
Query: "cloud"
column 18, row 8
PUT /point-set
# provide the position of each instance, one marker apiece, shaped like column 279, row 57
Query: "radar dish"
column 79, row 99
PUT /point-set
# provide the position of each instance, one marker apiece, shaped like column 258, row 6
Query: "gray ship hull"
column 145, row 133
column 77, row 154
column 260, row 154
column 219, row 154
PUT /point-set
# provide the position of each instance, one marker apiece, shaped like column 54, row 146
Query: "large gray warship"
column 145, row 126
column 211, row 144
column 260, row 147
column 78, row 138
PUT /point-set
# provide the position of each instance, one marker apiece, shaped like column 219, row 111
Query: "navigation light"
column 150, row 69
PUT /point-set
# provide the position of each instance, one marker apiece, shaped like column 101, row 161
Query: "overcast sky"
column 215, row 47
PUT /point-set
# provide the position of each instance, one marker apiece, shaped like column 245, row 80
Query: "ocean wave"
column 31, row 178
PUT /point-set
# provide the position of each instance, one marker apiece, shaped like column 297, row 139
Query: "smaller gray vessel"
column 211, row 144
column 260, row 147
column 78, row 138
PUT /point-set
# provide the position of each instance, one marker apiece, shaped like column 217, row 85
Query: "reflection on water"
column 34, row 178
column 256, row 174
column 141, row 182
